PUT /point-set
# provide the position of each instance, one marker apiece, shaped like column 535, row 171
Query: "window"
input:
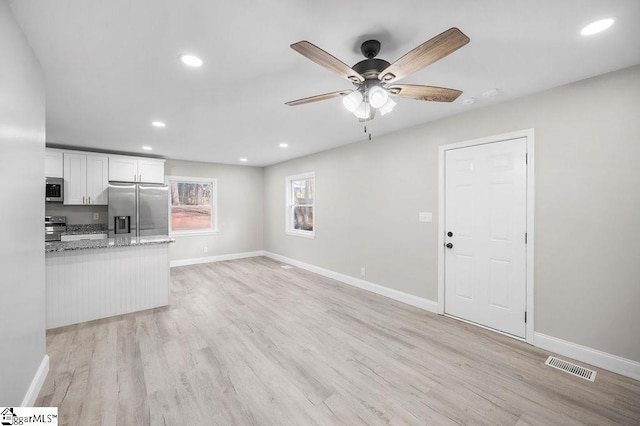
column 193, row 207
column 300, row 205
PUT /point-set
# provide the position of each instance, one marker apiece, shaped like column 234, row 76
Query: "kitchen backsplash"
column 78, row 215
column 97, row 228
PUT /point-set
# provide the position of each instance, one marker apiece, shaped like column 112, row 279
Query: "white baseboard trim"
column 623, row 366
column 221, row 257
column 36, row 384
column 409, row 299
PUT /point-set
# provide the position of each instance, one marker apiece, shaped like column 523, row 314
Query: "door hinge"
column 525, row 317
column 525, row 238
column 526, row 158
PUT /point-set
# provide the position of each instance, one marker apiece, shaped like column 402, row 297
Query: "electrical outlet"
column 205, row 249
column 425, row 217
column 362, row 271
column 96, row 216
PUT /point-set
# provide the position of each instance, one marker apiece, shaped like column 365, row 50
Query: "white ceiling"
column 112, row 66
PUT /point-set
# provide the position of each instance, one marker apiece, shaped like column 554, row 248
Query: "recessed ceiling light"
column 468, row 101
column 158, row 124
column 147, row 148
column 491, row 93
column 284, row 145
column 244, row 160
column 191, row 60
column 598, row 26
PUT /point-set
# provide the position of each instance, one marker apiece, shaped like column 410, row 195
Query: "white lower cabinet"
column 84, row 285
column 86, row 178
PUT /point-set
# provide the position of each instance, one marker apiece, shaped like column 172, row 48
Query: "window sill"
column 303, row 234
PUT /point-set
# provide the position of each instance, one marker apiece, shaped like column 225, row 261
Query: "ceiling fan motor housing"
column 370, row 48
column 370, row 68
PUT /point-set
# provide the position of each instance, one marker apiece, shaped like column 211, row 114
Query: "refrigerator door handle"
column 138, row 210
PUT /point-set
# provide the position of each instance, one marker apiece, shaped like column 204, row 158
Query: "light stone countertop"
column 57, row 246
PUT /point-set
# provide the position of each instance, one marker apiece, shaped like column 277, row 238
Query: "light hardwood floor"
column 248, row 342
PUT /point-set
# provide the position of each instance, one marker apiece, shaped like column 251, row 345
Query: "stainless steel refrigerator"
column 138, row 209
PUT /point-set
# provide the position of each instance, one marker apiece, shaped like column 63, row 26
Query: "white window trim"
column 288, row 226
column 214, row 205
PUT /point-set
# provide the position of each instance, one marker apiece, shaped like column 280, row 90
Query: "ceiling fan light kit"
column 372, row 77
column 377, row 96
column 363, row 111
column 352, row 101
column 387, row 107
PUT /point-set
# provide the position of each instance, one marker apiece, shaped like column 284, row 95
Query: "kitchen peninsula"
column 89, row 276
column 92, row 279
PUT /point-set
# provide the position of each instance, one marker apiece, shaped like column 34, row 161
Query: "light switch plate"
column 425, row 217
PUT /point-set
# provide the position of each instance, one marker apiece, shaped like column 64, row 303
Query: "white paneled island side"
column 93, row 279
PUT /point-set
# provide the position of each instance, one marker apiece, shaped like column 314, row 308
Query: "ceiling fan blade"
column 324, row 59
column 318, row 97
column 425, row 54
column 424, row 93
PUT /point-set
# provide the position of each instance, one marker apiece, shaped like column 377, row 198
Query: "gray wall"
column 22, row 135
column 240, row 210
column 587, row 268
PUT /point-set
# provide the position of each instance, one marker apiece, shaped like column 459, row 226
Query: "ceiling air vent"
column 571, row 368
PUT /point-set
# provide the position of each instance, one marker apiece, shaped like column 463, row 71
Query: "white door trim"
column 529, row 135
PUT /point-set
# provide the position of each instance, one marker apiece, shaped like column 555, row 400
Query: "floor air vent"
column 571, row 368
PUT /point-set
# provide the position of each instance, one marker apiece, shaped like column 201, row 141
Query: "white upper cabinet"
column 98, row 179
column 53, row 163
column 123, row 169
column 135, row 169
column 86, row 178
column 75, row 178
column 150, row 170
column 87, row 174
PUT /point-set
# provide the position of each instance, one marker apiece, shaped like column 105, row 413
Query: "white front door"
column 485, row 225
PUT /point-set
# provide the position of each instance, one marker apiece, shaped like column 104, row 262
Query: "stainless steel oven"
column 54, row 190
column 54, row 226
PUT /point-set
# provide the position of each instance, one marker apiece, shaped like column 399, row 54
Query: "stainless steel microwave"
column 54, row 190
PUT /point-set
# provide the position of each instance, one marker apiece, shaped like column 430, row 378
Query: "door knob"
column 449, row 245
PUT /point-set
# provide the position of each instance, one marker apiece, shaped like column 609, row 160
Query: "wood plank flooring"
column 247, row 342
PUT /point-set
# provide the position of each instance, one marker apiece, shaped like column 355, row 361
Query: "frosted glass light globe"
column 352, row 101
column 377, row 96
